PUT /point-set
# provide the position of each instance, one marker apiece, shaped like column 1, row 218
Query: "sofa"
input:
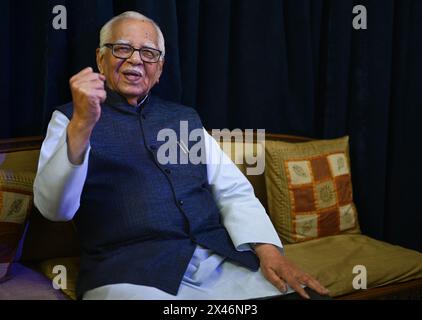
column 393, row 272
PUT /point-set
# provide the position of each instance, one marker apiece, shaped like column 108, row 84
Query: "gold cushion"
column 16, row 198
column 309, row 189
column 71, row 265
column 332, row 260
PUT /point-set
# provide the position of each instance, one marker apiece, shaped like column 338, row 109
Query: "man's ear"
column 160, row 70
column 100, row 58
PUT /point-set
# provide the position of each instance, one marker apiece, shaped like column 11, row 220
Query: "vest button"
column 152, row 147
column 181, row 202
column 192, row 238
column 143, row 116
column 167, row 171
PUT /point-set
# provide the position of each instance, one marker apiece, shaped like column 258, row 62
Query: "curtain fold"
column 292, row 67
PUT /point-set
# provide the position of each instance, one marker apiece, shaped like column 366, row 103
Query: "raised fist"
column 88, row 93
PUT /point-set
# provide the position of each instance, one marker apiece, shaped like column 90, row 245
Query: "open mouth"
column 132, row 75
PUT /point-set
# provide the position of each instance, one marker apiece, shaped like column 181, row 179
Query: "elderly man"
column 150, row 230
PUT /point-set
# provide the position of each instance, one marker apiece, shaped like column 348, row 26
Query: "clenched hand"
column 88, row 93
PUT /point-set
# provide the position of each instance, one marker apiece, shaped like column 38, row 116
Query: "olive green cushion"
column 332, row 259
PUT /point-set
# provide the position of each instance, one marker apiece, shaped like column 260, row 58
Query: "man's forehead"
column 133, row 30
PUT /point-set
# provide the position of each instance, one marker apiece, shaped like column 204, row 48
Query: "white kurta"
column 58, row 188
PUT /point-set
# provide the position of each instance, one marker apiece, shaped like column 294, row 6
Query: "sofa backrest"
column 240, row 148
column 20, row 154
column 45, row 239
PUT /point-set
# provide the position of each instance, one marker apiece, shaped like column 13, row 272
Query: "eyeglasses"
column 125, row 51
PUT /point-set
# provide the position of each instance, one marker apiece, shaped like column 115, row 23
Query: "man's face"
column 131, row 77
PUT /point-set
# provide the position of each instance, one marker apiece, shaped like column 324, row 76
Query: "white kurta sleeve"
column 58, row 184
column 243, row 215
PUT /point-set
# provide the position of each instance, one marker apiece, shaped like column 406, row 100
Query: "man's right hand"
column 88, row 93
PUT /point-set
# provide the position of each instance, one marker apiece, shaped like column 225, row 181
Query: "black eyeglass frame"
column 111, row 46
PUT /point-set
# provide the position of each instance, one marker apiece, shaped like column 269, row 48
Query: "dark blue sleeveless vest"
column 139, row 221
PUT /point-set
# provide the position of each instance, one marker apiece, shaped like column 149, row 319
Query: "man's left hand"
column 281, row 272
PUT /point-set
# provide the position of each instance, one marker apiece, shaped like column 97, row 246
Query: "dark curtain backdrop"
column 293, row 67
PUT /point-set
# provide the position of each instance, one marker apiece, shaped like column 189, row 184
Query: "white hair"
column 106, row 30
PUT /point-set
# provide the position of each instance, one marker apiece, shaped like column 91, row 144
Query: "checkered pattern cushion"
column 16, row 200
column 309, row 189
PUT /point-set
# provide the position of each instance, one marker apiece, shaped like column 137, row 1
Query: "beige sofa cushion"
column 332, row 260
column 238, row 152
